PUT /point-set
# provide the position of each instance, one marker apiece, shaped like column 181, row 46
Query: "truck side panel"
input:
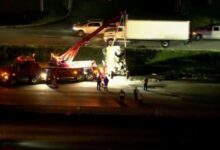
column 157, row 30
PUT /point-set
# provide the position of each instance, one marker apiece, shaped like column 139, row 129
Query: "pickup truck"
column 90, row 26
column 87, row 27
column 211, row 32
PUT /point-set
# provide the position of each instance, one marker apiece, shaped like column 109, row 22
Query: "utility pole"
column 41, row 5
column 70, row 3
column 178, row 6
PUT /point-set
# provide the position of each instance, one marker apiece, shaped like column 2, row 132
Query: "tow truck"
column 77, row 71
column 63, row 66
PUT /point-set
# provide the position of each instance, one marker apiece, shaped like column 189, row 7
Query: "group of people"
column 102, row 82
column 137, row 95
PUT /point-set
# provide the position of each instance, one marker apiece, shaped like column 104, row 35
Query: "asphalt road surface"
column 53, row 131
column 165, row 98
column 62, row 35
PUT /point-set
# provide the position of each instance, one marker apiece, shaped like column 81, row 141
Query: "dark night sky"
column 18, row 6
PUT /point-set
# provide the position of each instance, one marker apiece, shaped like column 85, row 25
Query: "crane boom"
column 70, row 54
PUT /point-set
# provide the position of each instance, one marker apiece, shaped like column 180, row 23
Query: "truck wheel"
column 89, row 77
column 198, row 37
column 109, row 41
column 81, row 33
column 48, row 80
column 165, row 44
column 12, row 82
column 80, row 78
column 34, row 80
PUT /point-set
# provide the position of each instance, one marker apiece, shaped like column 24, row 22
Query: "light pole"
column 41, row 5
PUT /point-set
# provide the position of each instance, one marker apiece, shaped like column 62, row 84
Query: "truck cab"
column 19, row 72
column 113, row 33
column 211, row 32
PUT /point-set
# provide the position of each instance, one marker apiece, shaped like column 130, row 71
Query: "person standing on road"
column 139, row 97
column 135, row 92
column 106, row 83
column 99, row 83
column 54, row 81
column 122, row 96
column 145, row 83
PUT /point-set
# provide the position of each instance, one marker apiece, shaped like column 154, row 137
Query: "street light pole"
column 41, row 5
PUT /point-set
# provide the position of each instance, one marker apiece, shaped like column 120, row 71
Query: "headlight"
column 5, row 76
column 75, row 72
column 43, row 75
column 95, row 71
column 194, row 33
column 75, row 28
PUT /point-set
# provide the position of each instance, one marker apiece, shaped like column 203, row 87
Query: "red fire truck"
column 24, row 69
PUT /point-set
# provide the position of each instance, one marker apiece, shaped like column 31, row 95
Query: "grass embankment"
column 173, row 64
column 9, row 53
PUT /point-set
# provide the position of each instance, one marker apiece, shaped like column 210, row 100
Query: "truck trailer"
column 155, row 30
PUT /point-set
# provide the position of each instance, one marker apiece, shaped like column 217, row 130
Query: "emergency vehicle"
column 63, row 66
column 25, row 69
column 77, row 71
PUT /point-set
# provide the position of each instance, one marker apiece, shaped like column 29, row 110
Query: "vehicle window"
column 96, row 24
column 90, row 24
column 23, row 66
column 209, row 28
column 110, row 29
column 93, row 24
column 120, row 29
column 216, row 28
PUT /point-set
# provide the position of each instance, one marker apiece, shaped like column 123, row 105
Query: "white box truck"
column 163, row 31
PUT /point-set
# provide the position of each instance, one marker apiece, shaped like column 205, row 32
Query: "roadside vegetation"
column 172, row 64
column 175, row 64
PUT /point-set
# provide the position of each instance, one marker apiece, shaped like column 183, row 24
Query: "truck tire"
column 198, row 37
column 12, row 82
column 80, row 33
column 80, row 77
column 165, row 44
column 34, row 80
column 89, row 77
column 109, row 41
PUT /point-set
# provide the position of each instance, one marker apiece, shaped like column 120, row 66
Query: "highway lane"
column 106, row 132
column 36, row 37
column 58, row 36
column 166, row 98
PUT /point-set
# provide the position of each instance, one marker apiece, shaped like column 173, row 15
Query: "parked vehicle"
column 163, row 31
column 211, row 32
